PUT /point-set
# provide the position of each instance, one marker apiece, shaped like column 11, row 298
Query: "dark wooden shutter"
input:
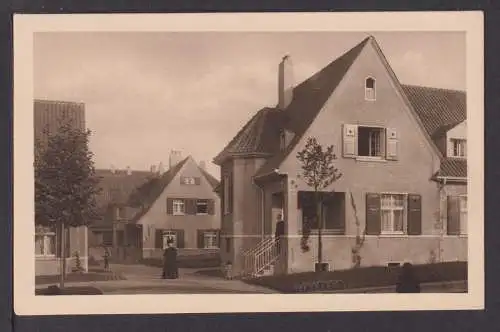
column 414, row 214
column 199, row 238
column 190, row 206
column 211, row 207
column 159, row 238
column 170, row 206
column 180, row 238
column 197, row 181
column 218, row 238
column 373, row 214
column 453, row 215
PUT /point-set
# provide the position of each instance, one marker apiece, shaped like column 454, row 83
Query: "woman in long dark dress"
column 408, row 282
column 170, row 270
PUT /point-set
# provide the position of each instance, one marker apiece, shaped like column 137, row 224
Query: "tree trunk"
column 320, row 227
column 63, row 256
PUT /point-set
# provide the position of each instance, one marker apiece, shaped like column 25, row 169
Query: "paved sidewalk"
column 142, row 279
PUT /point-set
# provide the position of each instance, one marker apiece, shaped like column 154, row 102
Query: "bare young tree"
column 318, row 172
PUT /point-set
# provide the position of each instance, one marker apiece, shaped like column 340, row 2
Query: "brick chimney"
column 285, row 82
column 174, row 158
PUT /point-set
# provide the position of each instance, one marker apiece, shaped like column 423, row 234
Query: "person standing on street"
column 170, row 269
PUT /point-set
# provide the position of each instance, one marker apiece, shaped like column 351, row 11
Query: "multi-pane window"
column 190, row 180
column 201, row 206
column 392, row 209
column 370, row 142
column 178, row 207
column 45, row 244
column 459, row 148
column 210, row 240
column 169, row 236
column 370, row 89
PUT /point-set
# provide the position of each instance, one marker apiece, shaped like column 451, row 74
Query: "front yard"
column 363, row 277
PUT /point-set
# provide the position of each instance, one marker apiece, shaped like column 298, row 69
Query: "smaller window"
column 202, row 206
column 370, row 88
column 210, row 240
column 45, row 244
column 459, row 148
column 189, row 180
column 178, row 207
column 282, row 140
column 169, row 236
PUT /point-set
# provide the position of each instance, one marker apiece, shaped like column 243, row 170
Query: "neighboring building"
column 48, row 117
column 143, row 209
column 401, row 150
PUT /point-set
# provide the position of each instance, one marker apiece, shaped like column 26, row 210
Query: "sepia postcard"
column 205, row 163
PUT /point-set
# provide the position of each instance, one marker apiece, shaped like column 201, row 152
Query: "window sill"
column 178, row 214
column 202, row 214
column 371, row 159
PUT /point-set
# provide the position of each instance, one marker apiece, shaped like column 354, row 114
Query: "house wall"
column 411, row 173
column 157, row 217
column 78, row 241
column 246, row 217
column 458, row 132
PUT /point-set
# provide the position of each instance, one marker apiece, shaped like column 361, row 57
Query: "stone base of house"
column 51, row 265
column 377, row 251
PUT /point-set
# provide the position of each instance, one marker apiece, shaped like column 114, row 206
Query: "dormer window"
column 459, row 148
column 370, row 88
column 282, row 140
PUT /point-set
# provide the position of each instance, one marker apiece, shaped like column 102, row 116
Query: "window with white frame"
column 178, row 207
column 463, row 214
column 370, row 142
column 169, row 236
column 459, row 148
column 210, row 240
column 45, row 244
column 393, row 212
column 370, row 88
column 202, row 206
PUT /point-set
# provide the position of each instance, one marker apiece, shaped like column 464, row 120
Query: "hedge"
column 364, row 277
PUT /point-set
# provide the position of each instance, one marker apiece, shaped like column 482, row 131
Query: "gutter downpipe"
column 441, row 231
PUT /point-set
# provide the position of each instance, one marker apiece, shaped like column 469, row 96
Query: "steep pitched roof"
column 438, row 109
column 258, row 136
column 308, row 99
column 261, row 134
column 453, row 167
column 149, row 192
column 118, row 185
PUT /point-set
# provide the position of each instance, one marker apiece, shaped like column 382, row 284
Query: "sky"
column 148, row 93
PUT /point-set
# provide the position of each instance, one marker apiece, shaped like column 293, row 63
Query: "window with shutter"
column 159, row 239
column 180, row 238
column 179, row 207
column 373, row 204
column 199, row 238
column 202, row 206
column 211, row 207
column 414, row 214
column 392, row 212
column 463, row 214
column 392, row 144
column 453, row 215
column 170, row 206
column 350, row 144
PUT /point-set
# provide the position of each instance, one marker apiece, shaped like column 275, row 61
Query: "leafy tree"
column 318, row 172
column 65, row 183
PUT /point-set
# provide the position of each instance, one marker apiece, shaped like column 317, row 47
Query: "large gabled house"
column 401, row 150
column 142, row 210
